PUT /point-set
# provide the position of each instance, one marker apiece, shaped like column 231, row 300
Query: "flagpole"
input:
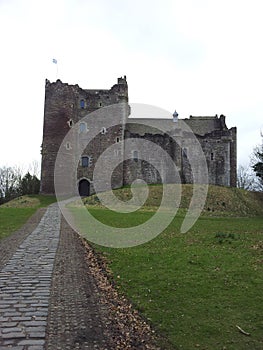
column 55, row 61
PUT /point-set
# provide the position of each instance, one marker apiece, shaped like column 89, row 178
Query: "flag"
column 54, row 61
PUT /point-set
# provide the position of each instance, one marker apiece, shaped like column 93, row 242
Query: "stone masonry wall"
column 66, row 105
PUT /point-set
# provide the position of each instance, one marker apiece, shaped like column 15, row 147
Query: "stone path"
column 25, row 283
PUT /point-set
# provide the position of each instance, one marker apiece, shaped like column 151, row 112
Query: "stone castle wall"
column 66, row 105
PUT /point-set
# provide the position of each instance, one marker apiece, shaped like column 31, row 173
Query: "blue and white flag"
column 54, row 61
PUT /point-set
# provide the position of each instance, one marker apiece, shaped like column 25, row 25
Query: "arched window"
column 103, row 131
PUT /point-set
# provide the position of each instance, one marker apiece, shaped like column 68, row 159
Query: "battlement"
column 203, row 117
column 122, row 80
column 120, row 86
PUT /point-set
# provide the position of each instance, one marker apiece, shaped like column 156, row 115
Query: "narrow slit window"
column 135, row 156
column 185, row 151
column 212, row 156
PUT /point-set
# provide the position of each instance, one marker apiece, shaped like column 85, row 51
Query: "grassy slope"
column 196, row 287
column 220, row 200
column 16, row 212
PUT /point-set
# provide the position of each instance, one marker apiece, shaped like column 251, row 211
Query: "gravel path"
column 75, row 318
column 55, row 293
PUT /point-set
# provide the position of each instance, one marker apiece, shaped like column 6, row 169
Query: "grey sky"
column 198, row 57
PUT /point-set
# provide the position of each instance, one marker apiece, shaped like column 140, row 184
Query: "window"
column 103, row 131
column 68, row 146
column 184, row 152
column 82, row 104
column 117, row 152
column 82, row 127
column 85, row 161
column 70, row 123
column 135, row 156
column 118, row 139
column 212, row 156
column 100, row 104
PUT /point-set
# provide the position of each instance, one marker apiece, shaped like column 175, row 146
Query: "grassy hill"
column 221, row 201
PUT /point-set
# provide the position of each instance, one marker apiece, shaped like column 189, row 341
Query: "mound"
column 22, row 202
column 221, row 201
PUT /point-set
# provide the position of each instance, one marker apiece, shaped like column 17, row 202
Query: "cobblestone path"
column 55, row 295
column 25, row 283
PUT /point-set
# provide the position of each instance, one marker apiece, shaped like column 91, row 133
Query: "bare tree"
column 246, row 179
column 257, row 164
column 34, row 168
column 10, row 178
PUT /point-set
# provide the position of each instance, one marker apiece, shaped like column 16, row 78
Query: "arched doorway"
column 84, row 188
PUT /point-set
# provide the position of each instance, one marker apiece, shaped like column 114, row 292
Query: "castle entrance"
column 84, row 188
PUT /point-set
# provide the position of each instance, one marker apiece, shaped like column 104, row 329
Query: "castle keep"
column 67, row 105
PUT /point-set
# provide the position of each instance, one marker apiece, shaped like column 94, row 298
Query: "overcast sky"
column 200, row 57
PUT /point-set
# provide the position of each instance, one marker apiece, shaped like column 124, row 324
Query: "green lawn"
column 195, row 288
column 15, row 213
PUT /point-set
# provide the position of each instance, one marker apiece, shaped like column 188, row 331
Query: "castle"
column 69, row 105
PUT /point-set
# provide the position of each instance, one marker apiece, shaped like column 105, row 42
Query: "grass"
column 221, row 201
column 195, row 288
column 16, row 212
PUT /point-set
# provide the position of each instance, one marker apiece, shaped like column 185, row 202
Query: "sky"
column 200, row 57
